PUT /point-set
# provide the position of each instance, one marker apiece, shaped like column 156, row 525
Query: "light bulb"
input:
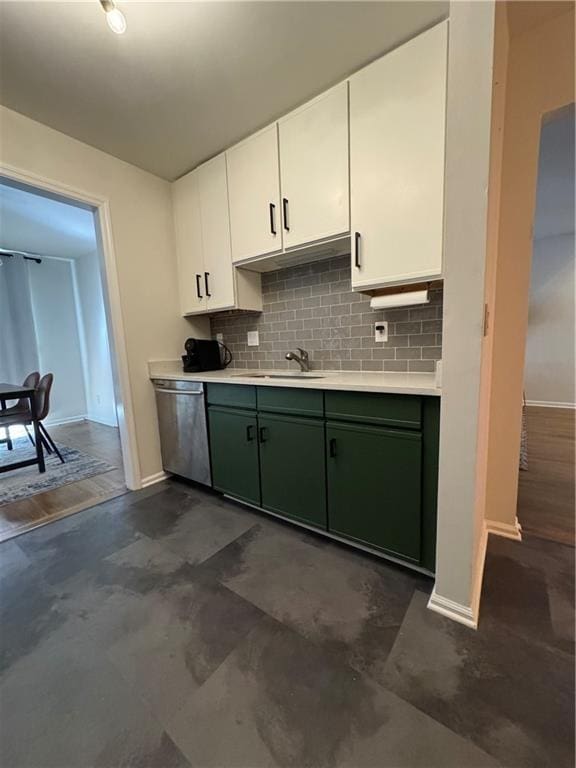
column 116, row 21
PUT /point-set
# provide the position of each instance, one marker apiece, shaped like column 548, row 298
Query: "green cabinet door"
column 374, row 487
column 292, row 468
column 234, row 453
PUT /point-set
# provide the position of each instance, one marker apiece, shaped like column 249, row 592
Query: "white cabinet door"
column 314, row 169
column 397, row 129
column 188, row 231
column 218, row 276
column 254, row 196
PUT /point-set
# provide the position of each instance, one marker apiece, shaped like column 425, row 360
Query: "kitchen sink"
column 249, row 375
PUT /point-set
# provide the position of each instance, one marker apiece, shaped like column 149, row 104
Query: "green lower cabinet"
column 292, row 468
column 234, row 453
column 374, row 487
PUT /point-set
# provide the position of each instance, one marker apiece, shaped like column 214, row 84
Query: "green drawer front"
column 372, row 408
column 232, row 395
column 305, row 402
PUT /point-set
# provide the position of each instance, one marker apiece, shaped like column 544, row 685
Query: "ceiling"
column 38, row 224
column 188, row 79
column 555, row 188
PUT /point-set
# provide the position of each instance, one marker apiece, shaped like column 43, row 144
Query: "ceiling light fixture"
column 114, row 17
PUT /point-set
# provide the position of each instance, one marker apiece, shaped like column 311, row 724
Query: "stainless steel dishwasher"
column 183, row 429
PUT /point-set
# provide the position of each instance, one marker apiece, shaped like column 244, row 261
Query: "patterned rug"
column 20, row 483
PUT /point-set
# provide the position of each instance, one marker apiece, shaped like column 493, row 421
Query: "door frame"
column 100, row 207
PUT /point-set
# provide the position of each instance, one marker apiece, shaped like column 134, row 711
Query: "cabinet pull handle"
column 206, row 276
column 263, row 432
column 198, row 287
column 250, row 433
column 332, row 447
column 285, row 213
column 357, row 250
column 273, row 219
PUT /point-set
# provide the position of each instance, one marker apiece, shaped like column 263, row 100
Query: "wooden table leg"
column 37, row 435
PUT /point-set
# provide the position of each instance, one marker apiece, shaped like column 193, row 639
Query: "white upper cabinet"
column 208, row 281
column 397, row 132
column 187, row 226
column 218, row 274
column 254, row 196
column 314, row 169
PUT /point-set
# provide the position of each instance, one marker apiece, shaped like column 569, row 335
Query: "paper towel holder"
column 402, row 296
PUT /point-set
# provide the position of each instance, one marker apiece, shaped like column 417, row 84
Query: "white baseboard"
column 550, row 404
column 99, row 420
column 463, row 614
column 66, row 420
column 508, row 530
column 152, row 479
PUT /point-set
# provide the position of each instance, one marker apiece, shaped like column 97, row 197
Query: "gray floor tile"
column 164, row 633
column 80, row 541
column 15, row 570
column 189, row 525
column 146, row 614
column 529, row 589
column 511, row 697
column 60, row 709
column 346, row 602
column 279, row 700
column 180, row 632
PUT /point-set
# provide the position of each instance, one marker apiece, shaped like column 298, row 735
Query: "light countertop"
column 365, row 381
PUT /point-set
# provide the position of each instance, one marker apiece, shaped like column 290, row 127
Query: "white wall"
column 54, row 313
column 99, row 381
column 459, row 553
column 549, row 372
column 142, row 233
column 549, row 367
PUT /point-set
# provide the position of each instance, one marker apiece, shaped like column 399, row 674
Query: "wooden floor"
column 97, row 440
column 546, row 490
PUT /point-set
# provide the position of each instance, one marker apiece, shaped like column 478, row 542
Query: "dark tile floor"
column 172, row 628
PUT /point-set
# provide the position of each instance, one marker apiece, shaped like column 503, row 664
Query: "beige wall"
column 141, row 219
column 539, row 46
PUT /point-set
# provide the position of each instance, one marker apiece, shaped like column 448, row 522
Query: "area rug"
column 21, row 483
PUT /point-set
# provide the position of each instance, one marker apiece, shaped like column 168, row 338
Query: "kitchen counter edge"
column 390, row 382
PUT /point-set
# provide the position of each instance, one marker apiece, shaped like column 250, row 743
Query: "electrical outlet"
column 381, row 331
column 253, row 340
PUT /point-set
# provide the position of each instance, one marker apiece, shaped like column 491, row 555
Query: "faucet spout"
column 301, row 359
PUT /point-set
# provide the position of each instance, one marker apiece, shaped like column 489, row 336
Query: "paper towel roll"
column 406, row 299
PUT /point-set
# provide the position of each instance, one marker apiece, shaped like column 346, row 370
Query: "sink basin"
column 278, row 375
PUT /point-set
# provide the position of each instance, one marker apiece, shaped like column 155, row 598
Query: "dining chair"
column 24, row 417
column 31, row 381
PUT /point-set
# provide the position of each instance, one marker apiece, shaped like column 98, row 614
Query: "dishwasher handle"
column 179, row 391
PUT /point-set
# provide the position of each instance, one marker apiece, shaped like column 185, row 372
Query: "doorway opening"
column 546, row 496
column 54, row 317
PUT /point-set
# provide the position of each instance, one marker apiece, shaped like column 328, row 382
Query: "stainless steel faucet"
column 301, row 359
